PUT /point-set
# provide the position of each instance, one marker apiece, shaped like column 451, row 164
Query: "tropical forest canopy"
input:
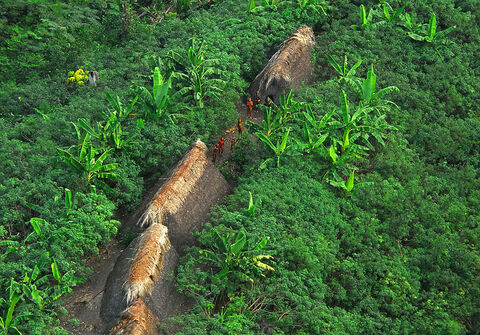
column 357, row 203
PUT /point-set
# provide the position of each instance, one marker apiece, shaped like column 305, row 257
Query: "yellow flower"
column 80, row 83
column 71, row 79
column 20, row 99
column 79, row 72
column 70, row 74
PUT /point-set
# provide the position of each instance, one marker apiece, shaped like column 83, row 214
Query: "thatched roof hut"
column 147, row 263
column 137, row 319
column 142, row 270
column 287, row 68
column 182, row 180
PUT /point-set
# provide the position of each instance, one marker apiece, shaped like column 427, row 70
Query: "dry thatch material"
column 288, row 67
column 137, row 319
column 172, row 194
column 147, row 263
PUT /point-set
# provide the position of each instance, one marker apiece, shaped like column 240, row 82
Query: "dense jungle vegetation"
column 356, row 212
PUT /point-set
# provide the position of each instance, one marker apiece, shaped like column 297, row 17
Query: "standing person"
column 215, row 151
column 257, row 102
column 249, row 108
column 222, row 145
column 240, row 126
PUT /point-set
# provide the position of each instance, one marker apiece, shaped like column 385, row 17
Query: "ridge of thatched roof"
column 137, row 319
column 172, row 194
column 279, row 67
column 147, row 264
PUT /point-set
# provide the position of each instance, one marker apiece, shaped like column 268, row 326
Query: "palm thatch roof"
column 147, row 263
column 170, row 197
column 288, row 67
column 137, row 319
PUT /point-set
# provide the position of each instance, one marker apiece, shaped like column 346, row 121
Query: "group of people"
column 219, row 148
column 251, row 105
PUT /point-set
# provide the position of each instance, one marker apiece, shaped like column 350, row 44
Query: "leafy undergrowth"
column 58, row 133
column 398, row 256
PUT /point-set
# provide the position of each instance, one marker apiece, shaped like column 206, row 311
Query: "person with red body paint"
column 222, row 145
column 215, row 151
column 249, row 108
column 240, row 126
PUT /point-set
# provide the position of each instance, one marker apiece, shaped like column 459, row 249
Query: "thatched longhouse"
column 139, row 282
column 287, row 68
column 147, row 263
column 170, row 197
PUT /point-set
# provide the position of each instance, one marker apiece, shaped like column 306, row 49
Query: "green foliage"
column 393, row 15
column 314, row 5
column 325, row 135
column 277, row 149
column 8, row 323
column 182, row 6
column 238, row 259
column 110, row 134
column 430, row 34
column 273, row 121
column 267, row 4
column 365, row 20
column 161, row 102
column 343, row 71
column 251, row 206
column 198, row 72
column 397, row 257
column 88, row 164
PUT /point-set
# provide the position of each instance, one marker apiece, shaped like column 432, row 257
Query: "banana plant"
column 272, row 4
column 350, row 185
column 321, row 126
column 9, row 322
column 198, row 73
column 337, row 165
column 110, row 132
column 273, row 121
column 315, row 5
column 87, row 163
column 238, row 259
column 392, row 15
column 310, row 143
column 431, row 35
column 347, row 75
column 361, row 124
column 366, row 20
column 278, row 149
column 409, row 23
column 251, row 205
column 315, row 133
column 161, row 102
column 252, row 8
column 368, row 96
column 113, row 128
column 68, row 202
